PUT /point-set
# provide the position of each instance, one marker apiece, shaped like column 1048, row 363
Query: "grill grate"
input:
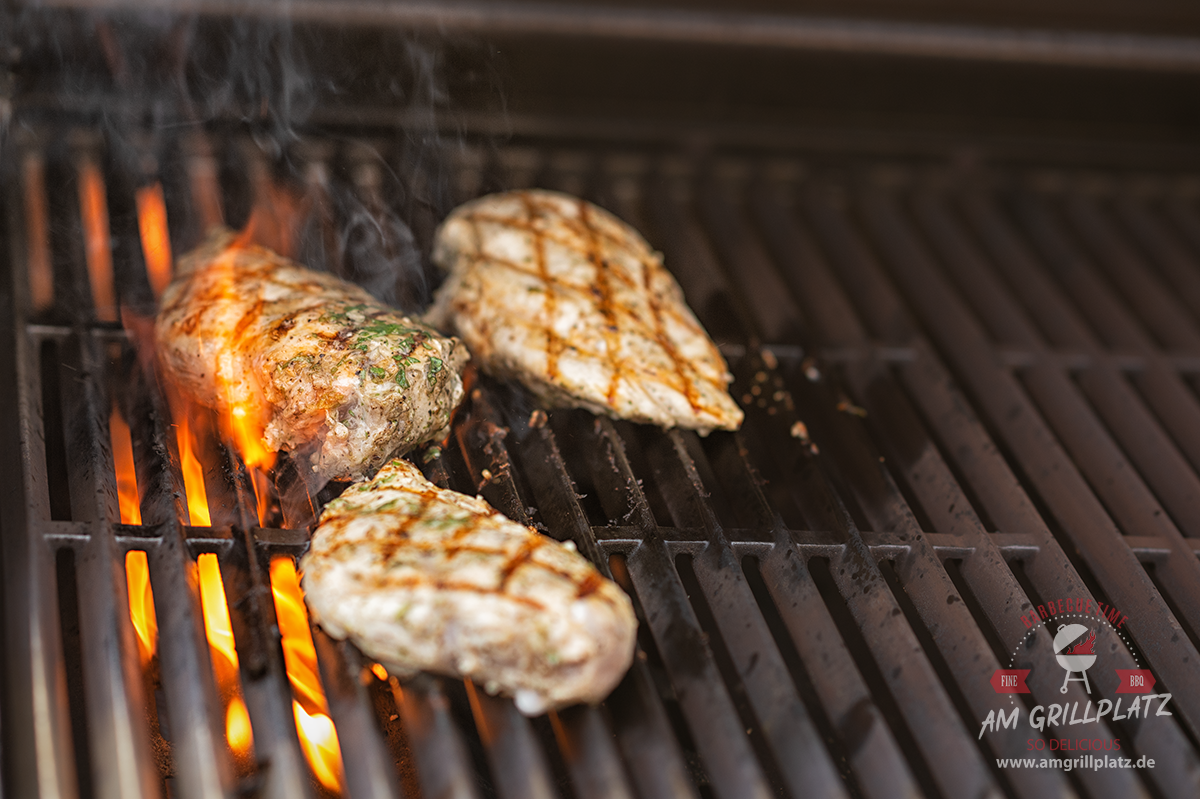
column 998, row 372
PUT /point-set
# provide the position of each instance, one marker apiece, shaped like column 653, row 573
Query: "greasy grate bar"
column 962, row 400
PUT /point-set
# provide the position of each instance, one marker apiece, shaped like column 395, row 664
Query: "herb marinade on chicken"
column 424, row 578
column 335, row 374
column 561, row 295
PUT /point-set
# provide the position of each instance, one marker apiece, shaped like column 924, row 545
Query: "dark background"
column 334, row 65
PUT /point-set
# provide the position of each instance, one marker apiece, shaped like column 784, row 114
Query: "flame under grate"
column 961, row 398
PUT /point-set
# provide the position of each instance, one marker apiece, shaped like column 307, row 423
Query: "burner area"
column 970, row 384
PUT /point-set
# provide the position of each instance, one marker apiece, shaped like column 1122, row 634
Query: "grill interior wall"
column 998, row 373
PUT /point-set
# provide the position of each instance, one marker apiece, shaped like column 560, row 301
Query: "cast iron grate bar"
column 906, row 258
column 931, row 482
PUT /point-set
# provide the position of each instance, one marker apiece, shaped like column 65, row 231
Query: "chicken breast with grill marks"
column 330, row 371
column 426, row 579
column 561, row 295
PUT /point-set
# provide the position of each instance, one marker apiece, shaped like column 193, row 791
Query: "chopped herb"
column 427, row 345
column 404, row 361
column 381, row 327
column 432, row 453
column 378, row 373
column 308, row 359
column 340, row 317
column 435, row 366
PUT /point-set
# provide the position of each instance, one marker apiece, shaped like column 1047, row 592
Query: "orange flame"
column 122, row 450
column 141, row 604
column 248, row 438
column 237, row 728
column 137, row 569
column 242, row 427
column 217, row 626
column 273, row 223
column 219, row 631
column 246, row 431
column 318, row 737
column 244, row 424
column 156, row 243
column 94, row 212
column 193, row 475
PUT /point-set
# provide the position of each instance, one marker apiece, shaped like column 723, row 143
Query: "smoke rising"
column 147, row 78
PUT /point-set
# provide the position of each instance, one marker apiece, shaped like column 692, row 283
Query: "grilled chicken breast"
column 561, row 295
column 333, row 374
column 423, row 578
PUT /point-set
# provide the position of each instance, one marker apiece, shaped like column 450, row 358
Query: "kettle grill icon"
column 1078, row 658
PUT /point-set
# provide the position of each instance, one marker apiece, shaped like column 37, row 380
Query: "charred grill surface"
column 968, row 392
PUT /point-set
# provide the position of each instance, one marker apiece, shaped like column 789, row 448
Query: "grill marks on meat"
column 335, row 375
column 563, row 296
column 423, row 578
column 605, row 305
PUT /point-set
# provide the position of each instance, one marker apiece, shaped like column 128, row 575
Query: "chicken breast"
column 423, row 578
column 561, row 295
column 328, row 370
